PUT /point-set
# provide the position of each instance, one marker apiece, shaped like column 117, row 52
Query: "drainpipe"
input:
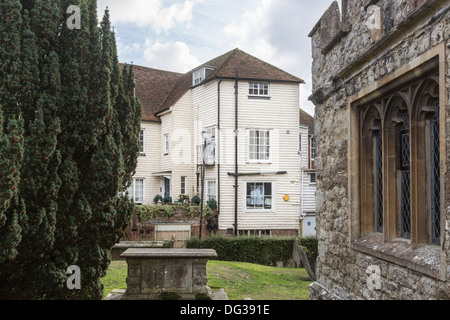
column 218, row 147
column 236, row 156
column 203, row 190
column 302, row 207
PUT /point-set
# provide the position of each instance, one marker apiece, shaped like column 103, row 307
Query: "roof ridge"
column 273, row 66
column 155, row 69
column 231, row 53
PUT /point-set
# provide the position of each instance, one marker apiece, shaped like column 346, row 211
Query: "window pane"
column 183, row 185
column 259, row 145
column 379, row 179
column 141, row 141
column 268, row 203
column 139, row 190
column 250, row 188
column 211, row 190
column 258, row 194
column 435, row 178
column 268, row 189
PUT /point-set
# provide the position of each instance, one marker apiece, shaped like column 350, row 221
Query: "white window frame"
column 210, row 158
column 208, row 194
column 260, row 86
column 132, row 191
column 313, row 146
column 142, row 142
column 213, row 131
column 249, row 145
column 166, row 144
column 183, row 185
column 273, row 195
column 198, row 76
column 255, row 233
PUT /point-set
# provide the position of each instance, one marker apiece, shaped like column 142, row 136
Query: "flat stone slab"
column 139, row 244
column 118, row 294
column 146, row 253
column 119, row 248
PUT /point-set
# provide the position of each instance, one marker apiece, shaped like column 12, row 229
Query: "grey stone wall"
column 352, row 50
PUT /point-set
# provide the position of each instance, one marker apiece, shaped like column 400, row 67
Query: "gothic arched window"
column 400, row 164
column 372, row 164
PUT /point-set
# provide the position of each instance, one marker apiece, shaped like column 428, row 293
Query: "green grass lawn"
column 240, row 280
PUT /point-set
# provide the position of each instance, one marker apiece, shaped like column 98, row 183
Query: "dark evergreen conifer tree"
column 12, row 209
column 73, row 115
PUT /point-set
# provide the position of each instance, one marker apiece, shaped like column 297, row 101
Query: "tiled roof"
column 307, row 120
column 252, row 68
column 160, row 90
column 152, row 88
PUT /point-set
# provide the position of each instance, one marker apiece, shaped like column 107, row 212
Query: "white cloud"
column 178, row 35
column 154, row 13
column 172, row 56
column 250, row 32
column 276, row 31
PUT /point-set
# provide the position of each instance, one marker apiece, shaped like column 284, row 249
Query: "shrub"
column 196, row 200
column 310, row 246
column 157, row 198
column 212, row 203
column 167, row 199
column 260, row 250
column 182, row 198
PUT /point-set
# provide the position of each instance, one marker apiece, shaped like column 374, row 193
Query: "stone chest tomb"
column 178, row 274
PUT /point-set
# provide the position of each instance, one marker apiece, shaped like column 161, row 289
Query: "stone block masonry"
column 366, row 56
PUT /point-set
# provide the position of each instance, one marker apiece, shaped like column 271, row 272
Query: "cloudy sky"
column 178, row 35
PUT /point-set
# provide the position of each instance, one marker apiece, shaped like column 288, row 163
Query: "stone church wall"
column 356, row 46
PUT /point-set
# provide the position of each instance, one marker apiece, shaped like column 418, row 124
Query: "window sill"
column 142, row 154
column 258, row 162
column 259, row 211
column 425, row 259
column 259, row 97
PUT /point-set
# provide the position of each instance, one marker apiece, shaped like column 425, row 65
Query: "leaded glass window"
column 405, row 207
column 435, row 177
column 379, row 178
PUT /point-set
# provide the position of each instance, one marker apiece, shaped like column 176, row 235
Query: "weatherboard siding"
column 308, row 188
column 279, row 114
column 182, row 155
column 149, row 163
column 198, row 109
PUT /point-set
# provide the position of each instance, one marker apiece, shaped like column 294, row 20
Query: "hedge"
column 310, row 246
column 259, row 250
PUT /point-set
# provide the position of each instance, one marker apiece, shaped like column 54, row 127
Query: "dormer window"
column 200, row 75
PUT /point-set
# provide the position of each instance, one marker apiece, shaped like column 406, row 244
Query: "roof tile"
column 159, row 90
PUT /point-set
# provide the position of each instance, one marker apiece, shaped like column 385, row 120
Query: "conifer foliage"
column 69, row 127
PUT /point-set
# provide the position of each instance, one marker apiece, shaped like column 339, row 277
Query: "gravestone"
column 167, row 274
